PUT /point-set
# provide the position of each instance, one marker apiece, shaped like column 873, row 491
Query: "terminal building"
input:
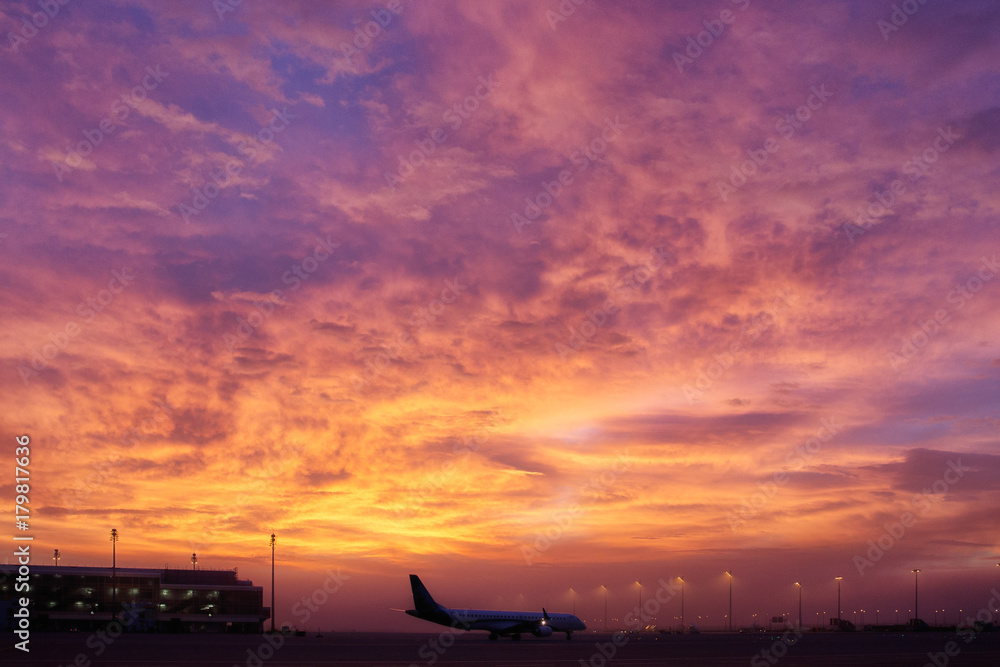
column 147, row 600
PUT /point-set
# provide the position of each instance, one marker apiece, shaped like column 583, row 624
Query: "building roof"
column 165, row 575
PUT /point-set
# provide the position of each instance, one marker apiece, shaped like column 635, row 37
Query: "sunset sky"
column 517, row 296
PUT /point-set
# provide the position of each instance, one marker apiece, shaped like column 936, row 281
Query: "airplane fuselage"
column 496, row 622
column 505, row 622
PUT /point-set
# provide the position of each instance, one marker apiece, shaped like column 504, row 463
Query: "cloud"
column 442, row 382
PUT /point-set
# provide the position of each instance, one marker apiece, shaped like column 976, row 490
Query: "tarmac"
column 905, row 649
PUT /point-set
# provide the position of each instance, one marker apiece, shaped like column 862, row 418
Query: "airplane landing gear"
column 516, row 637
column 569, row 636
column 494, row 636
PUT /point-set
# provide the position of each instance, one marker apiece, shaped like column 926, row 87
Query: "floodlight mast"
column 605, row 607
column 114, row 574
column 682, row 603
column 730, row 573
column 273, row 540
column 800, row 604
column 839, row 579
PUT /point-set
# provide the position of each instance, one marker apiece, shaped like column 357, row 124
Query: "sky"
column 524, row 297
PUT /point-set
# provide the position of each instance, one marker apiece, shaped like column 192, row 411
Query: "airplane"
column 499, row 623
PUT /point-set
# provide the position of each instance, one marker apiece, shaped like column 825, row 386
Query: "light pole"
column 800, row 604
column 639, row 617
column 605, row 607
column 55, row 557
column 574, row 600
column 194, row 561
column 114, row 574
column 682, row 603
column 916, row 594
column 838, row 599
column 730, row 573
column 273, row 540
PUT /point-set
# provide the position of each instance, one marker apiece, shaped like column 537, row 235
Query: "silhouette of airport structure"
column 147, row 599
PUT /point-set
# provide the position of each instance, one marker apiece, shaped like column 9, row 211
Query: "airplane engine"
column 542, row 631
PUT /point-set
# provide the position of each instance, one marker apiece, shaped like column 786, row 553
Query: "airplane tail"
column 422, row 600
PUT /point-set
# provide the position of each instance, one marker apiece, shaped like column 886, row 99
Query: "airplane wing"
column 512, row 627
